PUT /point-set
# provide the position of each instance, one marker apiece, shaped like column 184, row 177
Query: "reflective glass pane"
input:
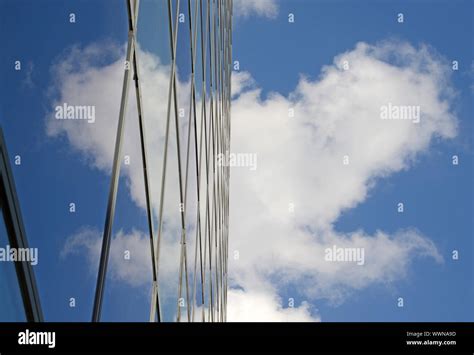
column 11, row 303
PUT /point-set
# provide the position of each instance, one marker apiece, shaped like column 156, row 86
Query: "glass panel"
column 11, row 302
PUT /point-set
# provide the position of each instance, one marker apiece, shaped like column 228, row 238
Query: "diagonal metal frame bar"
column 143, row 145
column 203, row 134
column 191, row 124
column 198, row 241
column 172, row 88
column 116, row 166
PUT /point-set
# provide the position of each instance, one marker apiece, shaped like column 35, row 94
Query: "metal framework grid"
column 206, row 288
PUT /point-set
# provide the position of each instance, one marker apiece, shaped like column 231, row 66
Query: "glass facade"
column 184, row 48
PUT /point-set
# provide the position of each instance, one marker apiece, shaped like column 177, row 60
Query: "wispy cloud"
column 28, row 82
column 263, row 8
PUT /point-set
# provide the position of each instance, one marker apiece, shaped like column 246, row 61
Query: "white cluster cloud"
column 247, row 8
column 283, row 214
column 301, row 162
column 255, row 306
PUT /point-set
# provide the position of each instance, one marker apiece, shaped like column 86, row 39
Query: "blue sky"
column 438, row 197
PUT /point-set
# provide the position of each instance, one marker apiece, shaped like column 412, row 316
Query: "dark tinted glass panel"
column 11, row 303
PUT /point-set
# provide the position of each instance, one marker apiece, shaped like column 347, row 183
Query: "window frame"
column 17, row 236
